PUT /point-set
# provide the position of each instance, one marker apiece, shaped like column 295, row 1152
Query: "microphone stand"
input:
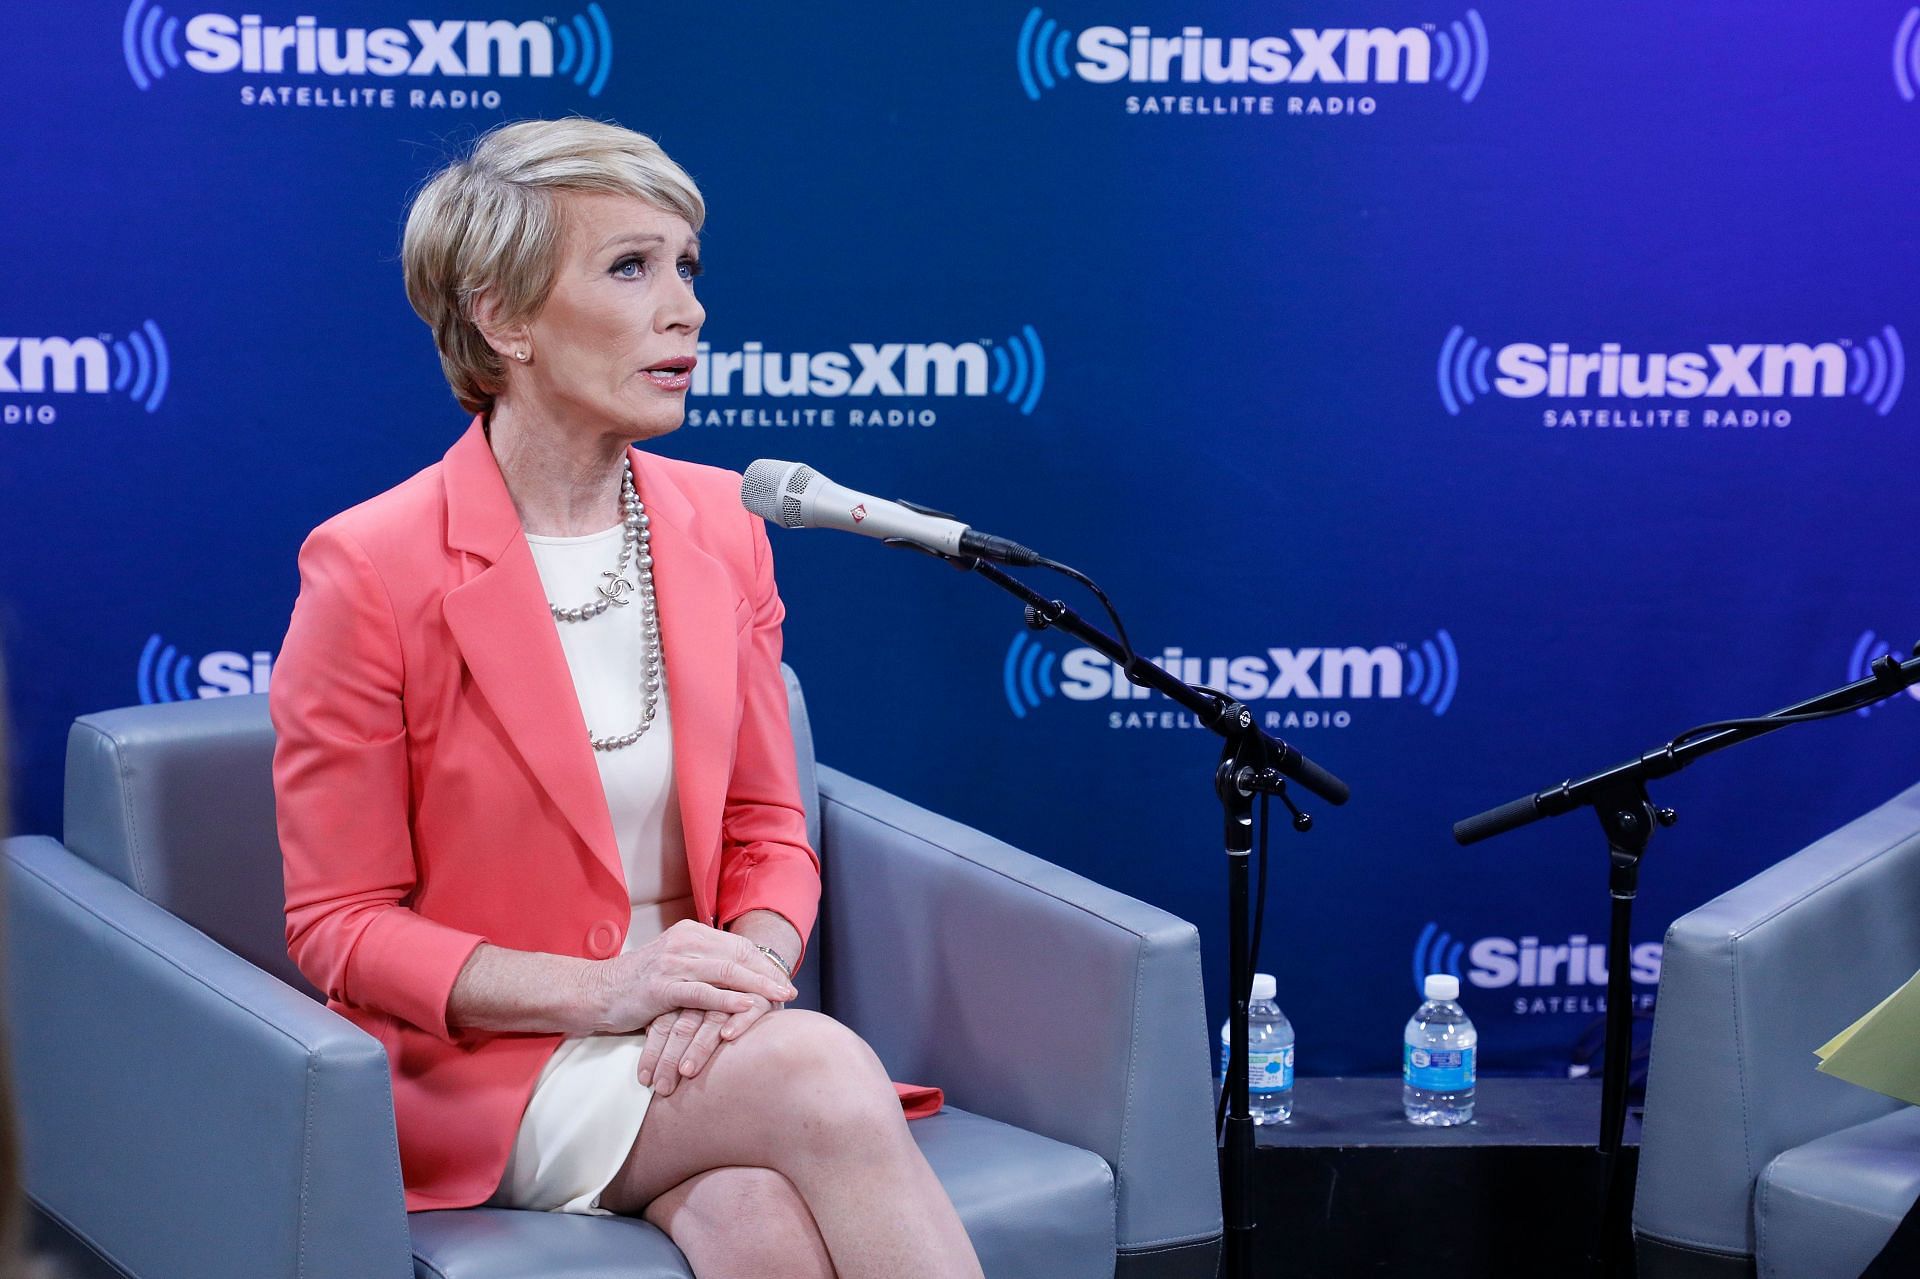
column 1618, row 797
column 1251, row 762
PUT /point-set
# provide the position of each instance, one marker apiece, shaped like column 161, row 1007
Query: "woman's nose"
column 682, row 308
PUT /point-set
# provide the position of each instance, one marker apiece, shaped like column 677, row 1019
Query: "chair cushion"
column 1826, row 1208
column 494, row 1243
column 1032, row 1206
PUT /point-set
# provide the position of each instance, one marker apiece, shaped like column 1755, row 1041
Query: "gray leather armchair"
column 190, row 1108
column 1751, row 1161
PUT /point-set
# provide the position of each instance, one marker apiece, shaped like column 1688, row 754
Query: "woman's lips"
column 673, row 374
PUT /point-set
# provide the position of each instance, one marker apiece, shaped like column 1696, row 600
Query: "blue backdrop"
column 1487, row 392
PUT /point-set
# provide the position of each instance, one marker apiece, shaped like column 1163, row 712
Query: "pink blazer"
column 435, row 787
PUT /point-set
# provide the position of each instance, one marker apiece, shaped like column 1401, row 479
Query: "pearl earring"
column 520, row 356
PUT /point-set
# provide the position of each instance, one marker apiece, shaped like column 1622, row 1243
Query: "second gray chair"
column 1751, row 1160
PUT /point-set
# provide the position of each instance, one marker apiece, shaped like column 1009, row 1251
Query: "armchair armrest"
column 1750, row 984
column 1030, row 994
column 182, row 1111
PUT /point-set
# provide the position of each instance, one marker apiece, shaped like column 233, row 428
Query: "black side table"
column 1349, row 1187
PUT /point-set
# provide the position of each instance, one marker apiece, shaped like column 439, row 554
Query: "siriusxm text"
column 1499, row 962
column 218, row 43
column 228, row 674
column 53, row 364
column 1356, row 55
column 864, row 368
column 1087, row 675
column 1723, row 369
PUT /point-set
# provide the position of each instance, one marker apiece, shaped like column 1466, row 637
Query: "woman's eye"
column 628, row 268
column 689, row 268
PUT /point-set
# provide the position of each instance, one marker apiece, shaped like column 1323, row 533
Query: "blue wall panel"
column 1296, row 340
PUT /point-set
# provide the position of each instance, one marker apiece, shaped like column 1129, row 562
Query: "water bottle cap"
column 1444, row 987
column 1264, row 987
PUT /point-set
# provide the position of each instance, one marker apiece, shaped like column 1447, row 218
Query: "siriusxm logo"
column 1014, row 370
column 1454, row 55
column 1428, row 672
column 1496, row 963
column 1867, row 650
column 217, row 43
column 1873, row 370
column 163, row 673
column 137, row 365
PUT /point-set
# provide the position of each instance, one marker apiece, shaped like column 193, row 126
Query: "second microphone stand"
column 1618, row 796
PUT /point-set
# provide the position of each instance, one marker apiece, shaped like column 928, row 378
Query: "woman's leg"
column 801, row 1094
column 745, row 1222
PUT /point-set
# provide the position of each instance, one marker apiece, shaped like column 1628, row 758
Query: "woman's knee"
column 823, row 1077
column 796, row 1043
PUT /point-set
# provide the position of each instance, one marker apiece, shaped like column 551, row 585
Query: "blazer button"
column 603, row 939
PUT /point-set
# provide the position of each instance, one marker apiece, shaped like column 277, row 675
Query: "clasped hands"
column 693, row 988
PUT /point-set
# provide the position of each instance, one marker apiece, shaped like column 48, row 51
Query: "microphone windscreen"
column 771, row 489
column 1497, row 821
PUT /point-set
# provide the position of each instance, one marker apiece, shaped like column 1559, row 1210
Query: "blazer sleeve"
column 765, row 861
column 340, row 785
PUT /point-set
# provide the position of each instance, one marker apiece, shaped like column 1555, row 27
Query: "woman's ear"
column 509, row 341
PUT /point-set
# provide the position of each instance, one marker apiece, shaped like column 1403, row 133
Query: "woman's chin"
column 655, row 420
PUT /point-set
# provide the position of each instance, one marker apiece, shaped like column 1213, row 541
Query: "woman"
column 535, row 782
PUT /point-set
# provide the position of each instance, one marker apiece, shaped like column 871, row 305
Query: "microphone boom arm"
column 1888, row 676
column 1230, row 719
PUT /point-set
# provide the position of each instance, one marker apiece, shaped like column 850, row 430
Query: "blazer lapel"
column 507, row 638
column 698, row 644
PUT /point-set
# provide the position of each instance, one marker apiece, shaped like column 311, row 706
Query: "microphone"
column 794, row 495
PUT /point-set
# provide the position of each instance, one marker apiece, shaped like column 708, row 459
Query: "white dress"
column 587, row 1105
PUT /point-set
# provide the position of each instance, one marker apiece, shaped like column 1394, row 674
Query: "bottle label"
column 1267, row 1072
column 1439, row 1069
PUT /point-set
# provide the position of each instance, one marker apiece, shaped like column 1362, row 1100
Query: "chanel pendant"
column 611, row 591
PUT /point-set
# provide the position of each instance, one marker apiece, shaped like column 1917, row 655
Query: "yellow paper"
column 1826, row 1050
column 1881, row 1051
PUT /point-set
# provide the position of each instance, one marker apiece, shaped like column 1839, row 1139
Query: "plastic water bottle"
column 1438, row 1068
column 1270, row 1055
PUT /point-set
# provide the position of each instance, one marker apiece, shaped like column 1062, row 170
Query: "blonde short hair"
column 488, row 223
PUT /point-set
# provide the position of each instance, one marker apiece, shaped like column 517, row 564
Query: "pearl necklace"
column 635, row 542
